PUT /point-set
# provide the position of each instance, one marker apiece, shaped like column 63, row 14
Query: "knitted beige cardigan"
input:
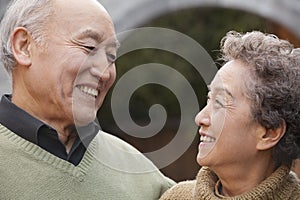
column 281, row 185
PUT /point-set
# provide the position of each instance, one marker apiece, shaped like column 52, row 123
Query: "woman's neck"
column 240, row 178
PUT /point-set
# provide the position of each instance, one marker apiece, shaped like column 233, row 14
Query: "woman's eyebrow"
column 221, row 89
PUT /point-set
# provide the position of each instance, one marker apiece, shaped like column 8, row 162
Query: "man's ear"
column 271, row 137
column 20, row 42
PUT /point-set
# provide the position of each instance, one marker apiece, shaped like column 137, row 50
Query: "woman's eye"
column 220, row 103
column 215, row 100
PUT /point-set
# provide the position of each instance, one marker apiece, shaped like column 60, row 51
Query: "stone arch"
column 130, row 14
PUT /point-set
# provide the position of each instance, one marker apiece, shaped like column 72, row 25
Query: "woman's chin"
column 200, row 160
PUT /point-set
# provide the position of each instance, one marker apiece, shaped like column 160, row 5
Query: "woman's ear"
column 20, row 42
column 271, row 137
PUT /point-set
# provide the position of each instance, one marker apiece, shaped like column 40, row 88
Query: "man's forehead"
column 88, row 19
column 79, row 7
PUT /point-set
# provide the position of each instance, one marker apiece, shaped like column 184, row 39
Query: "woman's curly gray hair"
column 275, row 87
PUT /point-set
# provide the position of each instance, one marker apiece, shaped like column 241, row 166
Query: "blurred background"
column 206, row 21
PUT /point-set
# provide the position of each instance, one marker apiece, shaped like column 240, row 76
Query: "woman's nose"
column 203, row 118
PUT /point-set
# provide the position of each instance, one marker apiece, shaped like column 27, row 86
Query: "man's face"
column 72, row 76
column 227, row 129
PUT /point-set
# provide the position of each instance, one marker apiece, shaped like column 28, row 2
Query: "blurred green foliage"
column 205, row 25
column 208, row 25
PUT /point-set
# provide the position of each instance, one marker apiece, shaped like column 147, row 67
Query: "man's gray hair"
column 30, row 14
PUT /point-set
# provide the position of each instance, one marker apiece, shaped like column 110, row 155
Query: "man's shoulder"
column 116, row 141
column 120, row 155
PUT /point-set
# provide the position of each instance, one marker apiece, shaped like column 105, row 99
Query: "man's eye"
column 90, row 48
column 111, row 58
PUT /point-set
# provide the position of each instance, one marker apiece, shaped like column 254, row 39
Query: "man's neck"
column 66, row 130
column 67, row 136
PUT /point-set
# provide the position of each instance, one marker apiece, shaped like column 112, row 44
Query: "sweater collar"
column 18, row 121
column 275, row 185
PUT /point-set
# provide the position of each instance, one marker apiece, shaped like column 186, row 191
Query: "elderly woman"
column 250, row 127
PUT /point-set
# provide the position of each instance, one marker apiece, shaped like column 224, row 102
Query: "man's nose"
column 101, row 66
column 100, row 73
column 203, row 117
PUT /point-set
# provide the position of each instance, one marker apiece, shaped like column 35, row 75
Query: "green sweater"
column 110, row 169
column 281, row 185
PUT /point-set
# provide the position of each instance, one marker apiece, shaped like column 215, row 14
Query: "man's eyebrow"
column 89, row 33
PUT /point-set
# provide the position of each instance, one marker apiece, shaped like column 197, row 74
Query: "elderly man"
column 61, row 57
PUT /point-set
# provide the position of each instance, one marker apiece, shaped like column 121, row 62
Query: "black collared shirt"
column 37, row 132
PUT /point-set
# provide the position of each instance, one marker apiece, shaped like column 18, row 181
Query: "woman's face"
column 226, row 127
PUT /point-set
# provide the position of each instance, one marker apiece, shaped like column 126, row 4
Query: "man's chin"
column 83, row 118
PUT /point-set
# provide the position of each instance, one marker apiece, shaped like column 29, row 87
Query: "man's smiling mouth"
column 88, row 91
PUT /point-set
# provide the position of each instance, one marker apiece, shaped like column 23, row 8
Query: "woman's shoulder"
column 182, row 190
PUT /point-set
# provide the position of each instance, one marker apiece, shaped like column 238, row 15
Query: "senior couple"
column 61, row 57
